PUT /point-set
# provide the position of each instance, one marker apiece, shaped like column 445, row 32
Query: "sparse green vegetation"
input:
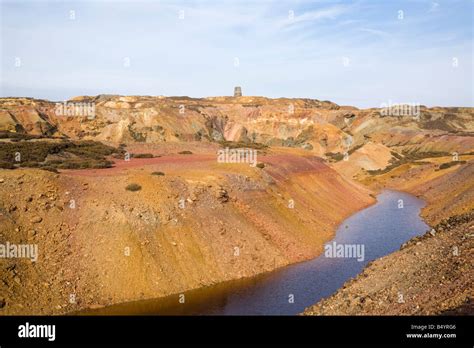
column 415, row 159
column 30, row 164
column 450, row 164
column 137, row 136
column 91, row 149
column 6, row 165
column 133, row 187
column 415, row 155
column 142, row 155
column 241, row 144
column 396, row 155
column 75, row 155
column 81, row 164
column 439, row 123
column 355, row 148
column 18, row 136
column 50, row 169
column 408, row 157
column 30, row 151
column 335, row 156
column 386, row 169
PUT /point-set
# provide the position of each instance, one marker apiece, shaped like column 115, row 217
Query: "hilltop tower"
column 237, row 91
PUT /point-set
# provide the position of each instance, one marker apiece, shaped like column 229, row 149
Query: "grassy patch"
column 77, row 154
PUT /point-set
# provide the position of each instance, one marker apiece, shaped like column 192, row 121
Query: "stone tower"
column 237, row 91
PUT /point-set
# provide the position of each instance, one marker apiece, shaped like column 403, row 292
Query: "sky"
column 363, row 53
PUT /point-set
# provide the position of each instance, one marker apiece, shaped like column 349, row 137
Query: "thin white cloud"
column 434, row 7
column 312, row 16
column 375, row 32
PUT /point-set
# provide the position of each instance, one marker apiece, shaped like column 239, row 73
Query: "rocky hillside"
column 171, row 218
column 321, row 127
column 152, row 227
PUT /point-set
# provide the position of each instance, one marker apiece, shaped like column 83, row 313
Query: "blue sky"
column 360, row 53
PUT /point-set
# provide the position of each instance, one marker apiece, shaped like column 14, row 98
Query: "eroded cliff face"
column 318, row 127
column 175, row 119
